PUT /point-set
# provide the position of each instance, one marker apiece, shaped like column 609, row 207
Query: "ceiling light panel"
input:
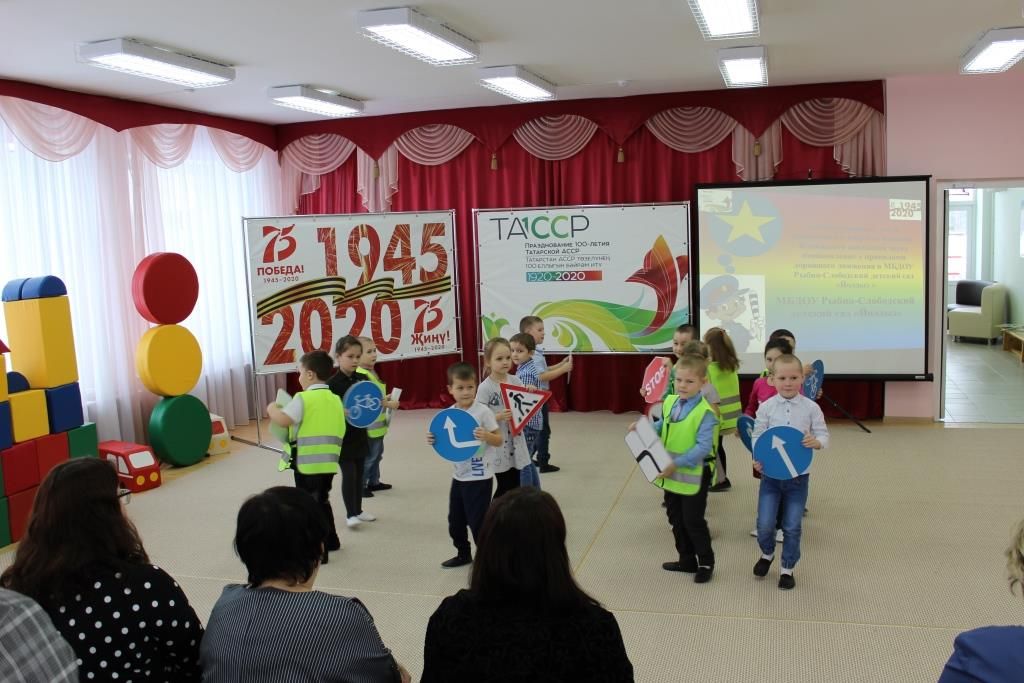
column 418, row 35
column 319, row 102
column 517, row 83
column 720, row 19
column 997, row 50
column 139, row 59
column 743, row 67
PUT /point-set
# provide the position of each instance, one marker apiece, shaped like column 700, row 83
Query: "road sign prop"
column 814, row 380
column 745, row 427
column 655, row 380
column 524, row 404
column 647, row 449
column 363, row 402
column 783, row 456
column 453, row 434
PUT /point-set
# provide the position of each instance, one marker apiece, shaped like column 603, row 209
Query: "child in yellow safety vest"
column 689, row 430
column 375, row 432
column 315, row 419
column 722, row 374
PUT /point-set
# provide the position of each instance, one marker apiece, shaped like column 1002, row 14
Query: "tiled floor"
column 983, row 383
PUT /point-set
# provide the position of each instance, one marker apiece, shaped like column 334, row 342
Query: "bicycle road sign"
column 364, row 402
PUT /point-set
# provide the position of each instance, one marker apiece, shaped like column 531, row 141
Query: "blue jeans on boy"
column 544, row 437
column 789, row 496
column 530, row 475
column 371, row 469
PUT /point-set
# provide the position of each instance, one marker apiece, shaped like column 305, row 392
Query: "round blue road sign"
column 782, row 454
column 453, row 434
column 363, row 402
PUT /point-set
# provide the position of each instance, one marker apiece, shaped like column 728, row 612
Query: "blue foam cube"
column 43, row 287
column 16, row 382
column 64, row 408
column 6, row 433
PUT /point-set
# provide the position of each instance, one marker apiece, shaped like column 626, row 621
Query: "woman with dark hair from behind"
column 82, row 560
column 524, row 618
column 276, row 628
column 993, row 654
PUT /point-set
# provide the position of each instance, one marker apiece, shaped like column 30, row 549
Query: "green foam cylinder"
column 180, row 430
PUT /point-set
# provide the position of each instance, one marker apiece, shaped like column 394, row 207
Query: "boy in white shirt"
column 787, row 408
column 470, row 493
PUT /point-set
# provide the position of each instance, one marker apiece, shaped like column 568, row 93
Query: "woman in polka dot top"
column 83, row 561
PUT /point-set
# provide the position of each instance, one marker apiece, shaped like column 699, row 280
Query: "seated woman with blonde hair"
column 992, row 654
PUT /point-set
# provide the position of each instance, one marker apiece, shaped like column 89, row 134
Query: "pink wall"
column 951, row 127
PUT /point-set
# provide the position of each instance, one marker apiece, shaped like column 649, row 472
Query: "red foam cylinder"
column 165, row 288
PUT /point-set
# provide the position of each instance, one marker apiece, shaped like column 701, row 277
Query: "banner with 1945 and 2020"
column 315, row 279
column 603, row 278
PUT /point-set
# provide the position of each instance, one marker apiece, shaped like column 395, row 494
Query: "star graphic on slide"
column 746, row 223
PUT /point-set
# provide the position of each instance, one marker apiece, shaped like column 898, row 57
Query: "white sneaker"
column 754, row 533
column 367, row 517
column 778, row 535
column 353, row 522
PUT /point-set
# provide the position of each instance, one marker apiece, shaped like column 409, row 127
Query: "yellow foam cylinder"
column 42, row 344
column 28, row 415
column 168, row 360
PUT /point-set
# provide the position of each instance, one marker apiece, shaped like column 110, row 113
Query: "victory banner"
column 315, row 279
column 603, row 278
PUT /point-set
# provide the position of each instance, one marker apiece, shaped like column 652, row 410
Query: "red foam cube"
column 20, row 467
column 19, row 508
column 51, row 450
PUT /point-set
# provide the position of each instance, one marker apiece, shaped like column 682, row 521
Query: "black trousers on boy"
column 467, row 504
column 319, row 486
column 689, row 527
column 352, row 485
column 507, row 480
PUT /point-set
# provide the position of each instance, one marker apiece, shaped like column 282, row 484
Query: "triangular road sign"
column 524, row 404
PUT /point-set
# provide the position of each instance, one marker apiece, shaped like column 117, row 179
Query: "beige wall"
column 951, row 127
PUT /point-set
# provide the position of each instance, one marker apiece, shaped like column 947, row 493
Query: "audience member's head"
column 1015, row 559
column 77, row 522
column 280, row 536
column 521, row 557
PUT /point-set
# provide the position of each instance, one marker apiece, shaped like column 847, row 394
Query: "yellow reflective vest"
column 379, row 427
column 680, row 437
column 727, row 384
column 315, row 446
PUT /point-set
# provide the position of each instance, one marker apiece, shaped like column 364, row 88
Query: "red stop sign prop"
column 655, row 380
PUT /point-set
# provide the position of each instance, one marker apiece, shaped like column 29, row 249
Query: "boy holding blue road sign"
column 472, row 478
column 788, row 408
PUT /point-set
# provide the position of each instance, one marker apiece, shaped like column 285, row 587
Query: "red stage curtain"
column 650, row 172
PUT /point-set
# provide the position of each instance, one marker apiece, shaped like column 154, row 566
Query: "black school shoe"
column 458, row 561
column 703, row 574
column 547, row 469
column 687, row 567
column 721, row 486
column 379, row 486
column 367, row 493
column 787, row 582
column 761, row 567
column 333, row 542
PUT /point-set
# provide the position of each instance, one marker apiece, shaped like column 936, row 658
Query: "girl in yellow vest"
column 689, row 430
column 375, row 433
column 722, row 373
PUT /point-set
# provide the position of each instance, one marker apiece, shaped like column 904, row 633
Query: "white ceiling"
column 589, row 48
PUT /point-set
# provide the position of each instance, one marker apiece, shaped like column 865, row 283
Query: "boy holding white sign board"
column 787, row 408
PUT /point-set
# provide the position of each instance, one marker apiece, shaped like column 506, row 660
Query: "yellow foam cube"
column 3, row 378
column 28, row 415
column 42, row 344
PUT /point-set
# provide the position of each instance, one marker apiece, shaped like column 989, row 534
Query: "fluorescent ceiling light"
column 996, row 51
column 517, row 83
column 305, row 98
column 139, row 59
column 726, row 18
column 418, row 35
column 743, row 67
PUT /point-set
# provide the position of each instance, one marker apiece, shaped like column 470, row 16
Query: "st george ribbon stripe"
column 383, row 288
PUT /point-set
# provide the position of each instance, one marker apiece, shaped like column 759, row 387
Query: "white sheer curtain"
column 195, row 208
column 71, row 219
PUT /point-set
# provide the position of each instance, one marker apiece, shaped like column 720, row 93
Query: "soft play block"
column 51, row 450
column 64, row 407
column 43, row 287
column 220, row 439
column 165, row 288
column 168, row 360
column 5, row 523
column 16, row 382
column 41, row 340
column 6, row 434
column 12, row 290
column 20, row 467
column 83, row 441
column 180, row 430
column 19, row 507
column 28, row 414
column 3, row 375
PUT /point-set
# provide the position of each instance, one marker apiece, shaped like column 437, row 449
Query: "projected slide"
column 841, row 265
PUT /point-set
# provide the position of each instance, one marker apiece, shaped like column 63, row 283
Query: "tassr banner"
column 315, row 279
column 603, row 278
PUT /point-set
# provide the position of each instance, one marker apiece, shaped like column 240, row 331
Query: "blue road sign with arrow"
column 453, row 434
column 745, row 427
column 783, row 456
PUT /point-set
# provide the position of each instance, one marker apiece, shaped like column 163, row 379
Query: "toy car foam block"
column 28, row 415
column 16, row 382
column 6, row 432
column 220, row 440
column 168, row 360
column 19, row 507
column 180, row 430
column 42, row 343
column 20, row 467
column 64, row 407
column 12, row 290
column 43, row 287
column 137, row 469
column 3, row 377
column 165, row 288
column 5, row 523
column 82, row 441
column 51, row 450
